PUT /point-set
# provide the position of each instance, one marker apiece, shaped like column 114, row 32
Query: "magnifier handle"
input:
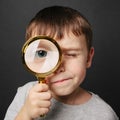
column 41, row 80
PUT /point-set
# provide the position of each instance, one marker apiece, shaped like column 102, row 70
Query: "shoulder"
column 18, row 101
column 23, row 90
column 21, row 95
column 102, row 109
column 27, row 86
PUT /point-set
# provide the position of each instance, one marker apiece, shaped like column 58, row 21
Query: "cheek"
column 76, row 65
column 78, row 68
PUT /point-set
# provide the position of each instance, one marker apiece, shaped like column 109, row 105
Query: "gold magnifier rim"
column 28, row 42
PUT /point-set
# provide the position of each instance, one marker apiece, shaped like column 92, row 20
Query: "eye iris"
column 42, row 53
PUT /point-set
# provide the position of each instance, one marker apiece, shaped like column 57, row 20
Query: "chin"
column 62, row 92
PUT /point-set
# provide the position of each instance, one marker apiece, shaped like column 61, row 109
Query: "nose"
column 61, row 68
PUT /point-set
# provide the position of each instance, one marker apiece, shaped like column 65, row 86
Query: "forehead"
column 68, row 41
column 71, row 41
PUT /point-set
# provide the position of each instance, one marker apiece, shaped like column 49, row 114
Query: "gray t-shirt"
column 94, row 109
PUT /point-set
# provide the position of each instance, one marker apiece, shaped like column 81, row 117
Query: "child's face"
column 72, row 71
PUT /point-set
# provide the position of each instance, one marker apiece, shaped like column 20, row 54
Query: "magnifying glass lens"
column 41, row 55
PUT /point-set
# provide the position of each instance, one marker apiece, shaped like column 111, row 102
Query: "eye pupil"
column 42, row 53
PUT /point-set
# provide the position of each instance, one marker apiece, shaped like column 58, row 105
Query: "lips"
column 59, row 81
column 59, row 78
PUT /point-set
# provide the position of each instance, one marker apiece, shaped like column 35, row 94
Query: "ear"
column 90, row 57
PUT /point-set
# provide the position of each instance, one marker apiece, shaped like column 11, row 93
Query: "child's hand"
column 37, row 102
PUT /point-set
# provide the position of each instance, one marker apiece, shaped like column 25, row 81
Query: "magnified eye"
column 41, row 53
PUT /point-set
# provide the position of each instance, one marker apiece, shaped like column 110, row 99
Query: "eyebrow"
column 71, row 49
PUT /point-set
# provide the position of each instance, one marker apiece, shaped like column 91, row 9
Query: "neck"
column 79, row 96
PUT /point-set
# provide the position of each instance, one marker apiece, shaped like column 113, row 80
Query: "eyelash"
column 71, row 55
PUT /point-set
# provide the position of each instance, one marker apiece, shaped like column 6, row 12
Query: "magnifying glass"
column 42, row 56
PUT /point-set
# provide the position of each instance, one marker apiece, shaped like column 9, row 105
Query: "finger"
column 44, row 104
column 44, row 96
column 40, row 87
column 43, row 111
column 38, row 112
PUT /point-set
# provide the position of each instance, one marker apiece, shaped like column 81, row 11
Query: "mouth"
column 60, row 81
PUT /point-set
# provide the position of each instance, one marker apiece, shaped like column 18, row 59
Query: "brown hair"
column 53, row 21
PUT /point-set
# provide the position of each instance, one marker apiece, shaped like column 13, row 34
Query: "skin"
column 63, row 84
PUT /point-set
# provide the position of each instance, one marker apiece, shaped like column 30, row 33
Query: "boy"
column 61, row 98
